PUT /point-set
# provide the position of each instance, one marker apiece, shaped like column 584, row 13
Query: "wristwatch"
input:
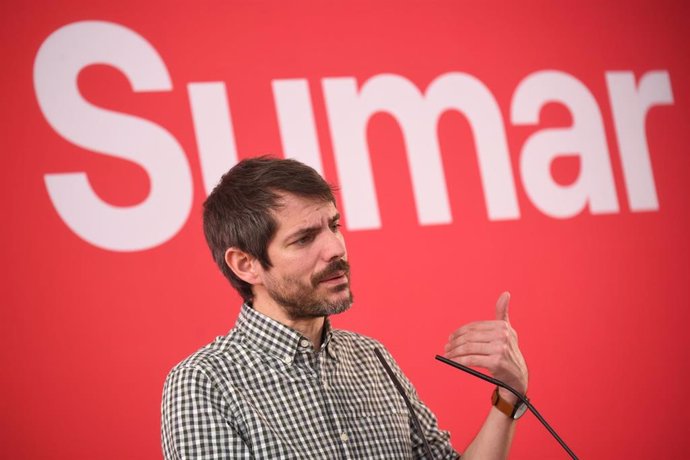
column 512, row 411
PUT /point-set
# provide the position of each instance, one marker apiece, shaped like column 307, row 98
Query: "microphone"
column 515, row 392
column 401, row 390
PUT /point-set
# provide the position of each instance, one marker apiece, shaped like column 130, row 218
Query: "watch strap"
column 511, row 410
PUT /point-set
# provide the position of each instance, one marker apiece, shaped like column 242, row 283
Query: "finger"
column 502, row 327
column 502, row 307
column 473, row 348
column 486, row 361
column 487, row 336
column 477, row 326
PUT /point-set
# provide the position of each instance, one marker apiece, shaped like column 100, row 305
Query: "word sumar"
column 349, row 106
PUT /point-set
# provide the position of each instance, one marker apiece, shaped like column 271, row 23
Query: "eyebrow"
column 313, row 229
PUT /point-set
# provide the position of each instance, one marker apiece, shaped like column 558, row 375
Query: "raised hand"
column 492, row 345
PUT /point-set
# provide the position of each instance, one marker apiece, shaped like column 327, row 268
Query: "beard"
column 302, row 300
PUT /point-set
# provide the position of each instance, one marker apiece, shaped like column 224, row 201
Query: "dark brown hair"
column 238, row 213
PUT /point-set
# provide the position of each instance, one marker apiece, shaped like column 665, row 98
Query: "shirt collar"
column 276, row 339
column 328, row 341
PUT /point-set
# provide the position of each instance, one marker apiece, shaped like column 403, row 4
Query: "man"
column 282, row 383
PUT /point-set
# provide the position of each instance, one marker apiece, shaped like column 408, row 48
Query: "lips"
column 336, row 272
column 335, row 277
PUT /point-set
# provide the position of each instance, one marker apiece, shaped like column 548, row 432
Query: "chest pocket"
column 379, row 423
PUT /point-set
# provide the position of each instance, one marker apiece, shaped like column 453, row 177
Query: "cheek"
column 294, row 267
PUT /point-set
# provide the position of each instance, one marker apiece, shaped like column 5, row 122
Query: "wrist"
column 519, row 385
column 507, row 396
column 513, row 408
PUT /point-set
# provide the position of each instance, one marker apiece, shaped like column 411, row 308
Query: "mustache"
column 334, row 267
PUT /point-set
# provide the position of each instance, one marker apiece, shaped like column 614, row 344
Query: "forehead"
column 297, row 212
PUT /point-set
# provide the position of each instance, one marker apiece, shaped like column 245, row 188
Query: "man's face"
column 310, row 276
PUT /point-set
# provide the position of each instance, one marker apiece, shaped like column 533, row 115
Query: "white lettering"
column 164, row 211
column 630, row 106
column 586, row 138
column 473, row 99
column 296, row 122
column 349, row 112
column 215, row 137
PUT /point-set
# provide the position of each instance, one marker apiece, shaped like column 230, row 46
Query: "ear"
column 244, row 265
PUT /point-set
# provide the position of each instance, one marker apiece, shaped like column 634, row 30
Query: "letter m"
column 349, row 112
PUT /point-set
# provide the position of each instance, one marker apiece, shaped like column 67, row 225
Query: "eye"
column 335, row 227
column 306, row 239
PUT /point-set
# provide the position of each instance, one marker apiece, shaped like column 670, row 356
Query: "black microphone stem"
column 515, row 392
column 401, row 390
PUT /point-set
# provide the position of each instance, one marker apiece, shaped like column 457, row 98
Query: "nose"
column 334, row 248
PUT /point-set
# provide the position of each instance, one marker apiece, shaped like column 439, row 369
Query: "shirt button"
column 304, row 343
column 343, row 437
column 287, row 359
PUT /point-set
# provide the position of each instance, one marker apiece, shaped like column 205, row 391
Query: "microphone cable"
column 515, row 392
column 401, row 390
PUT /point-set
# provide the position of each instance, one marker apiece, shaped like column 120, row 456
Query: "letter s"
column 164, row 211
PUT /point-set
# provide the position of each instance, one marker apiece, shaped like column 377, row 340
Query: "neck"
column 311, row 328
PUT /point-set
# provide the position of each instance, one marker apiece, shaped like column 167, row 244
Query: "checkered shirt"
column 263, row 392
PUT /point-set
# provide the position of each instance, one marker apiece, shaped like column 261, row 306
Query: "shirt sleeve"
column 195, row 419
column 439, row 440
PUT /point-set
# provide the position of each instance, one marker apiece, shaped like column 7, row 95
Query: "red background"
column 600, row 301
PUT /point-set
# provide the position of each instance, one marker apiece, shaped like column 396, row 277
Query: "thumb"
column 502, row 307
